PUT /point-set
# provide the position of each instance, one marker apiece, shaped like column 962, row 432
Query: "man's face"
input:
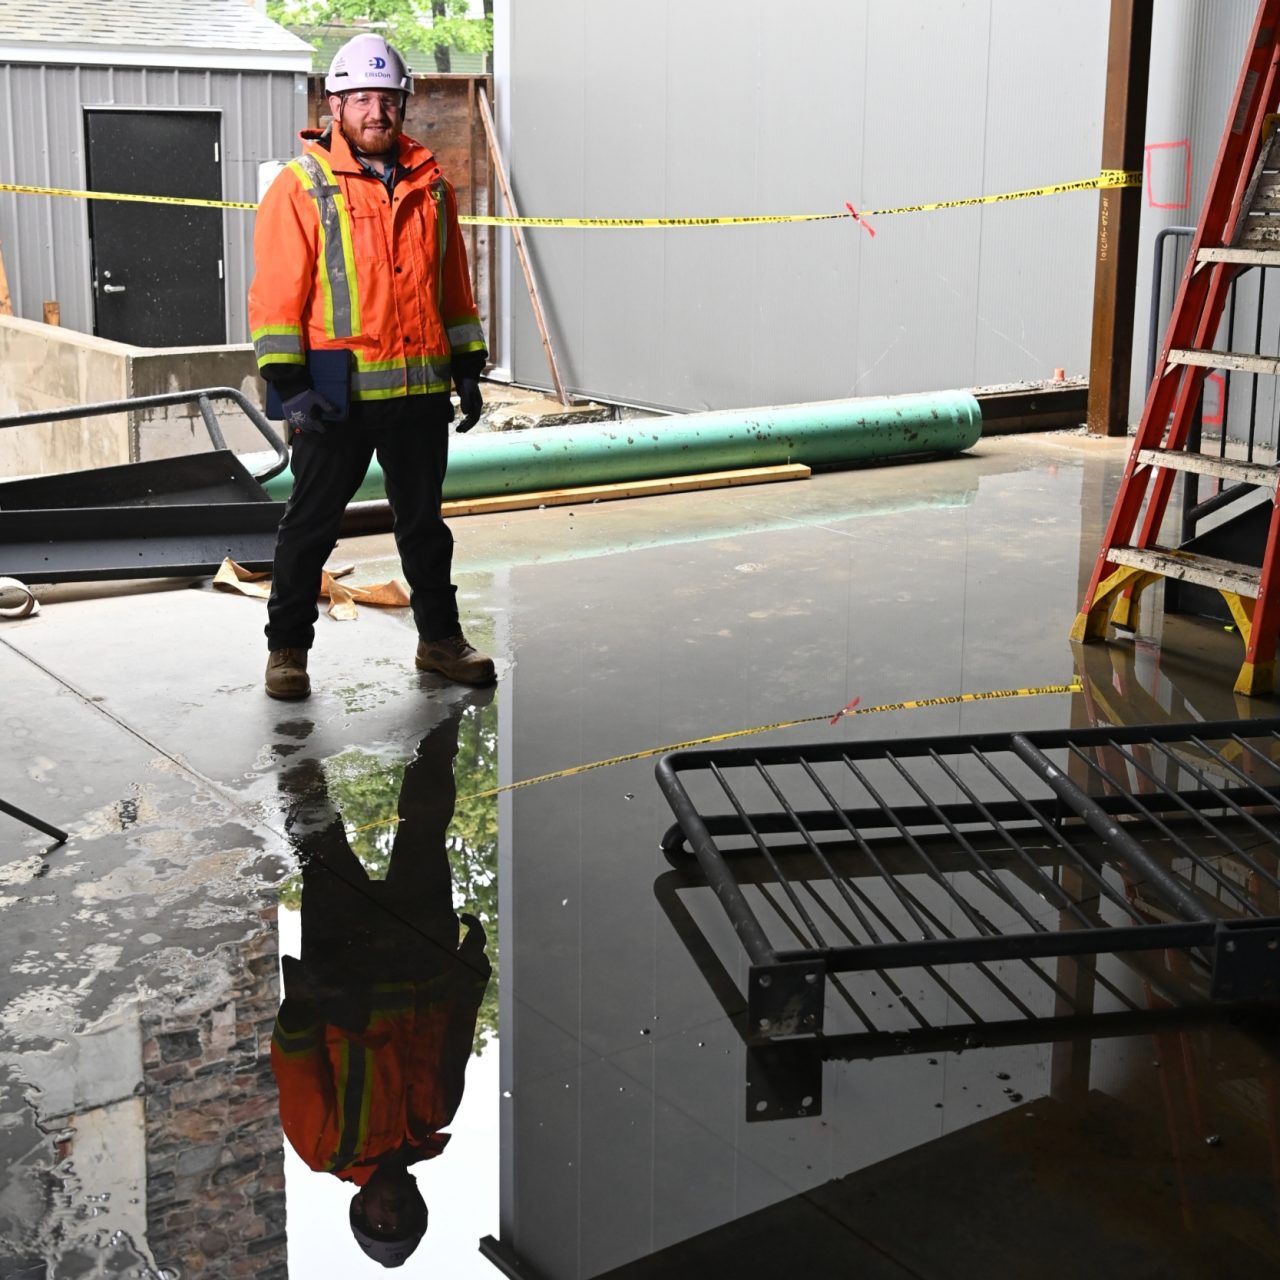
column 371, row 120
column 391, row 1201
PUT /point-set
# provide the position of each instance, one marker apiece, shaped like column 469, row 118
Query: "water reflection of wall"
column 215, row 1167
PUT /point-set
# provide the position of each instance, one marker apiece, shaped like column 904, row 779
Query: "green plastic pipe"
column 825, row 433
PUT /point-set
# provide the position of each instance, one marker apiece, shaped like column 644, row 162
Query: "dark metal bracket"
column 1246, row 960
column 785, row 999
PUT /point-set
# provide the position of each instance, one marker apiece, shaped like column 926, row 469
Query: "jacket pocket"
column 366, row 237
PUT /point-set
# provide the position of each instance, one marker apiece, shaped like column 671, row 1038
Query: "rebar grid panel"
column 922, row 853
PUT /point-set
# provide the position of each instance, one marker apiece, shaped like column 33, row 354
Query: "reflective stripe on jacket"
column 341, row 263
column 349, row 1097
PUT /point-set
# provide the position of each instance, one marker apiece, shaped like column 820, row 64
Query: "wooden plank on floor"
column 631, row 489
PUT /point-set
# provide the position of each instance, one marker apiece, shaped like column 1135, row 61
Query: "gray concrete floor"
column 604, row 1126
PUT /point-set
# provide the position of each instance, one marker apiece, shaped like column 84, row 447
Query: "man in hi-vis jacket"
column 358, row 251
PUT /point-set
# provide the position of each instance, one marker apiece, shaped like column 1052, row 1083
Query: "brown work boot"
column 455, row 659
column 287, row 674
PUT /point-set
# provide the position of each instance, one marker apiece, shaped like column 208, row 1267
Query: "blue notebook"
column 330, row 375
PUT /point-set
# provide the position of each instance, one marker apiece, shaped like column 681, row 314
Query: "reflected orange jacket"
column 349, row 1097
column 340, row 263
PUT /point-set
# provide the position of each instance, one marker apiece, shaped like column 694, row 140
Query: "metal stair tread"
column 1241, row 360
column 1205, row 571
column 1259, row 473
column 1244, row 256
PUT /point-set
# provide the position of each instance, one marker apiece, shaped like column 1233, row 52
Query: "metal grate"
column 983, row 849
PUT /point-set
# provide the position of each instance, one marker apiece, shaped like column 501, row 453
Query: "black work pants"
column 411, row 441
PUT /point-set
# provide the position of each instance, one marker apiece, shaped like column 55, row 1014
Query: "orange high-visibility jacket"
column 340, row 263
column 349, row 1097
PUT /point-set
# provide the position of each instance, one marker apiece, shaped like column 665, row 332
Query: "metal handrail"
column 201, row 397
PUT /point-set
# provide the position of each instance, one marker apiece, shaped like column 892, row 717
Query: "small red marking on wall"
column 1214, row 419
column 1168, row 166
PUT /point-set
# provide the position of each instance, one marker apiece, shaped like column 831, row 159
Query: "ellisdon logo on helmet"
column 377, row 63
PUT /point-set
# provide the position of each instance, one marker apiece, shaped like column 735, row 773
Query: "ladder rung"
column 1226, row 360
column 1205, row 464
column 1259, row 233
column 1246, row 257
column 1204, row 571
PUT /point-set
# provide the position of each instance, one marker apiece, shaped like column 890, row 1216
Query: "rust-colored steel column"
column 1119, row 213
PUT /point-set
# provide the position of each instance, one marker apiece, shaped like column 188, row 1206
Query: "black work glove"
column 307, row 410
column 469, row 401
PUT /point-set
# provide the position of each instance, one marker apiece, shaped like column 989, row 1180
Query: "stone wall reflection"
column 215, row 1159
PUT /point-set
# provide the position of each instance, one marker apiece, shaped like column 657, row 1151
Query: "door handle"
column 113, row 288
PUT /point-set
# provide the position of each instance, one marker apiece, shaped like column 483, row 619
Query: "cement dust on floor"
column 603, row 1126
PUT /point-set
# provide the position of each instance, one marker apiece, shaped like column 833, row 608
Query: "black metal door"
column 157, row 268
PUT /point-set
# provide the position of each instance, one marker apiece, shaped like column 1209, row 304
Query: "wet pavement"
column 527, row 972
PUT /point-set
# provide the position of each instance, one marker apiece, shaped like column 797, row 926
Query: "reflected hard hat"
column 390, row 1252
column 367, row 62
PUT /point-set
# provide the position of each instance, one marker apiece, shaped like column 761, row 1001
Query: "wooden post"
column 6, row 303
column 52, row 313
column 1119, row 212
column 486, row 118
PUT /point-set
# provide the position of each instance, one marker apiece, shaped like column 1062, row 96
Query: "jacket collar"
column 414, row 157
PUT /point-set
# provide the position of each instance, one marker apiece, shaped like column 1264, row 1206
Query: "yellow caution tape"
column 120, row 195
column 1107, row 178
column 852, row 709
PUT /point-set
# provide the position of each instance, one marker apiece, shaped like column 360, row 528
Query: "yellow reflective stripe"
column 278, row 344
column 442, row 230
column 354, row 1094
column 339, row 287
column 295, row 1043
column 465, row 335
column 384, row 379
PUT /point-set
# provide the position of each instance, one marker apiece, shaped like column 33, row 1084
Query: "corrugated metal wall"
column 724, row 108
column 45, row 240
column 732, row 107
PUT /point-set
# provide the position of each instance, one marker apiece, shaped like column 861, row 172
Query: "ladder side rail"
column 1230, row 174
column 1243, row 139
column 1195, row 289
column 1257, row 674
column 1190, row 388
column 1137, row 475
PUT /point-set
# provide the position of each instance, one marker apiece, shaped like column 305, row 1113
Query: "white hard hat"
column 367, row 62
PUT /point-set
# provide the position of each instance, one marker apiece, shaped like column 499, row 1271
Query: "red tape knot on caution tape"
column 860, row 220
column 848, row 707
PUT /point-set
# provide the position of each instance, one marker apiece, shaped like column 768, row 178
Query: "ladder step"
column 1260, row 232
column 1204, row 571
column 1204, row 464
column 1246, row 257
column 1226, row 360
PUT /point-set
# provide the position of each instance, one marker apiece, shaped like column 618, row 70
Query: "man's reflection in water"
column 373, row 1036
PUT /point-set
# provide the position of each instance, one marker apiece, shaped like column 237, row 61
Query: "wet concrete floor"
column 527, row 972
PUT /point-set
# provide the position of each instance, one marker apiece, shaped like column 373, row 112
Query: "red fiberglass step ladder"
column 1239, row 229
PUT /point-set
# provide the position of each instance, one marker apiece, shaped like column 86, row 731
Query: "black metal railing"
column 979, row 850
column 202, row 398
